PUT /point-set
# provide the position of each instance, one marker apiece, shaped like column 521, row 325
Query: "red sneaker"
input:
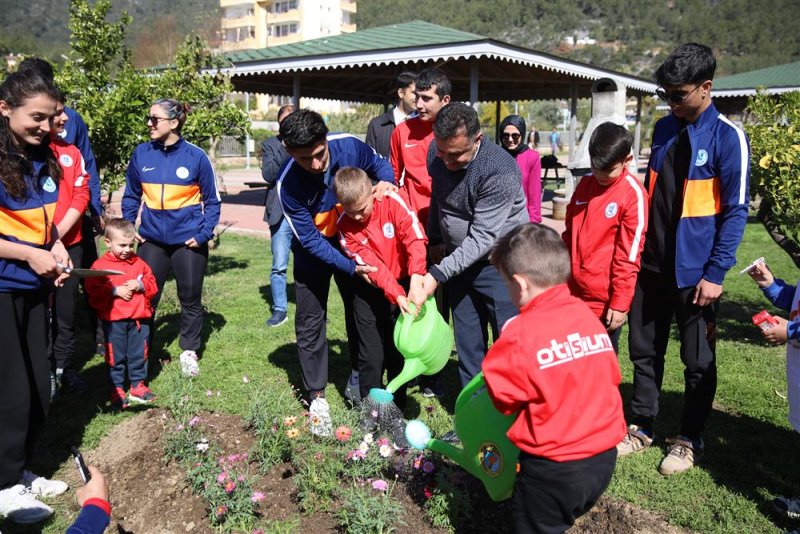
column 141, row 394
column 119, row 401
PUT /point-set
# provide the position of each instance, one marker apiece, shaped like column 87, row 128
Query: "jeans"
column 480, row 300
column 126, row 346
column 281, row 241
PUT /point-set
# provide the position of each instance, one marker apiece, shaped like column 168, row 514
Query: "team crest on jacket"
column 701, row 159
column 182, row 173
column 48, row 184
column 65, row 160
column 611, row 210
column 388, row 230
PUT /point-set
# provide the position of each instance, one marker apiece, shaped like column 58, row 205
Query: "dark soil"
column 150, row 495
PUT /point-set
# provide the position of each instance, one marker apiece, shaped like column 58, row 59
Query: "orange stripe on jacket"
column 701, row 198
column 174, row 196
column 653, row 178
column 326, row 221
column 31, row 225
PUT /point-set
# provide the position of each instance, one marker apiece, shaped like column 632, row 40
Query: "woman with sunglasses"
column 512, row 136
column 181, row 209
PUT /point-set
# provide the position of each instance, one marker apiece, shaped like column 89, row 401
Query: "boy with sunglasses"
column 697, row 179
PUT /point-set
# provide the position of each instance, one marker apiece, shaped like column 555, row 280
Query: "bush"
column 774, row 130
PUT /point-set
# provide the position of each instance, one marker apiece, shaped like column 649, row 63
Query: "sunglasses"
column 152, row 119
column 513, row 136
column 676, row 97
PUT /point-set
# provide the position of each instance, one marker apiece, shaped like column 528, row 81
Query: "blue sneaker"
column 278, row 318
column 353, row 392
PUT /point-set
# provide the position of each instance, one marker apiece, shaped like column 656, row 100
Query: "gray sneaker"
column 682, row 455
column 636, row 440
column 352, row 391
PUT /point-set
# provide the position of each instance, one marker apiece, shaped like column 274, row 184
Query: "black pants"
column 311, row 291
column 89, row 248
column 24, row 379
column 549, row 496
column 377, row 352
column 188, row 265
column 63, row 314
column 655, row 301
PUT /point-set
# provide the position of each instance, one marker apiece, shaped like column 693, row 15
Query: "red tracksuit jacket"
column 409, row 144
column 605, row 231
column 73, row 189
column 392, row 240
column 101, row 289
column 554, row 365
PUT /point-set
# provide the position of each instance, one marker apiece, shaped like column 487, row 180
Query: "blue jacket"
column 93, row 519
column 310, row 205
column 179, row 189
column 29, row 221
column 715, row 194
column 76, row 133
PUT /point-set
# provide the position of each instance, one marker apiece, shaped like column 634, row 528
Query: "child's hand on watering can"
column 402, row 303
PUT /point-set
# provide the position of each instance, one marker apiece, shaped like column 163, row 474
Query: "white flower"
column 363, row 446
column 368, row 438
column 202, row 446
column 385, row 451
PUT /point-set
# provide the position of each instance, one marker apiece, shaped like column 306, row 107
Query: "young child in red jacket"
column 384, row 233
column 554, row 364
column 122, row 302
column 606, row 224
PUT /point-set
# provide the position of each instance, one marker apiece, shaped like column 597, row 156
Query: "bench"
column 254, row 185
column 551, row 162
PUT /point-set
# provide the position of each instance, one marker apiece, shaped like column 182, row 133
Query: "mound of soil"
column 150, row 495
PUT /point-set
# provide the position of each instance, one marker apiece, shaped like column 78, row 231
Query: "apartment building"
column 265, row 23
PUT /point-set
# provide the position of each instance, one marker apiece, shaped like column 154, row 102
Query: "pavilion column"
column 296, row 91
column 473, row 83
column 637, row 133
column 573, row 119
column 497, row 122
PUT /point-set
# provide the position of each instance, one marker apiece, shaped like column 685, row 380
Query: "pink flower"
column 222, row 477
column 343, row 433
column 380, row 485
column 221, row 510
column 382, row 441
column 258, row 496
column 233, row 458
column 194, row 420
column 240, row 478
column 230, row 486
column 356, row 455
column 209, row 393
column 179, row 428
column 418, row 462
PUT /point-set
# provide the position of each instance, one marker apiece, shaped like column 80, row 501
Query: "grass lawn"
column 749, row 444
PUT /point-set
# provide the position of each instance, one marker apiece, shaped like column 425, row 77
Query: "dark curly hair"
column 303, row 129
column 15, row 161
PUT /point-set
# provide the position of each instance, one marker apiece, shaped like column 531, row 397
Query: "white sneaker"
column 19, row 505
column 41, row 486
column 319, row 417
column 189, row 365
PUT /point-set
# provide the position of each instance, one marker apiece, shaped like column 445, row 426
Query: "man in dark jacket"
column 476, row 198
column 379, row 130
column 273, row 156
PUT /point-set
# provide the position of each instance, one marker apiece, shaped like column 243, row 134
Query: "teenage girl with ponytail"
column 176, row 181
column 30, row 250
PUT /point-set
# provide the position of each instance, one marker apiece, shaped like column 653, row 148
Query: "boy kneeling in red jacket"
column 122, row 302
column 553, row 364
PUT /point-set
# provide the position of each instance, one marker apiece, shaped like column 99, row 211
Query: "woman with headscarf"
column 512, row 135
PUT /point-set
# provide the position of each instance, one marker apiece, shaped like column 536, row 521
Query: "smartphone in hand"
column 83, row 471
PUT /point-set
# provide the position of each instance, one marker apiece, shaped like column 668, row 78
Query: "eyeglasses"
column 676, row 97
column 152, row 119
column 514, row 136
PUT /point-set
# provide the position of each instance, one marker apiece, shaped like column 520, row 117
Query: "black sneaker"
column 432, row 387
column 72, row 380
column 786, row 507
column 278, row 318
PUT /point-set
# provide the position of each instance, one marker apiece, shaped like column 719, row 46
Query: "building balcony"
column 348, row 5
column 348, row 28
column 248, row 20
column 233, row 46
column 293, row 15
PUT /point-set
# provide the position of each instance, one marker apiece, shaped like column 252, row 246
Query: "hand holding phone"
column 83, row 471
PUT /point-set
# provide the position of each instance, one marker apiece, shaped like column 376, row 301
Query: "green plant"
column 318, row 477
column 448, row 503
column 275, row 417
column 368, row 508
column 774, row 132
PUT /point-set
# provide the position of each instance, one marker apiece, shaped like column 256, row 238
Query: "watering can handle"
column 410, row 319
column 469, row 390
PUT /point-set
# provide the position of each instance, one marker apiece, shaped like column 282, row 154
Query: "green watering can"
column 487, row 452
column 425, row 341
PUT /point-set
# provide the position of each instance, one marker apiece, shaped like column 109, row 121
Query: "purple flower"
column 194, row 420
column 380, row 485
column 222, row 477
column 428, row 467
column 258, row 496
column 209, row 393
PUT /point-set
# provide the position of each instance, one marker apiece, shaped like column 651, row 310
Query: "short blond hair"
column 120, row 227
column 351, row 185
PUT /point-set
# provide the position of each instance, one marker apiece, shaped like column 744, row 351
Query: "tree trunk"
column 212, row 155
column 765, row 217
